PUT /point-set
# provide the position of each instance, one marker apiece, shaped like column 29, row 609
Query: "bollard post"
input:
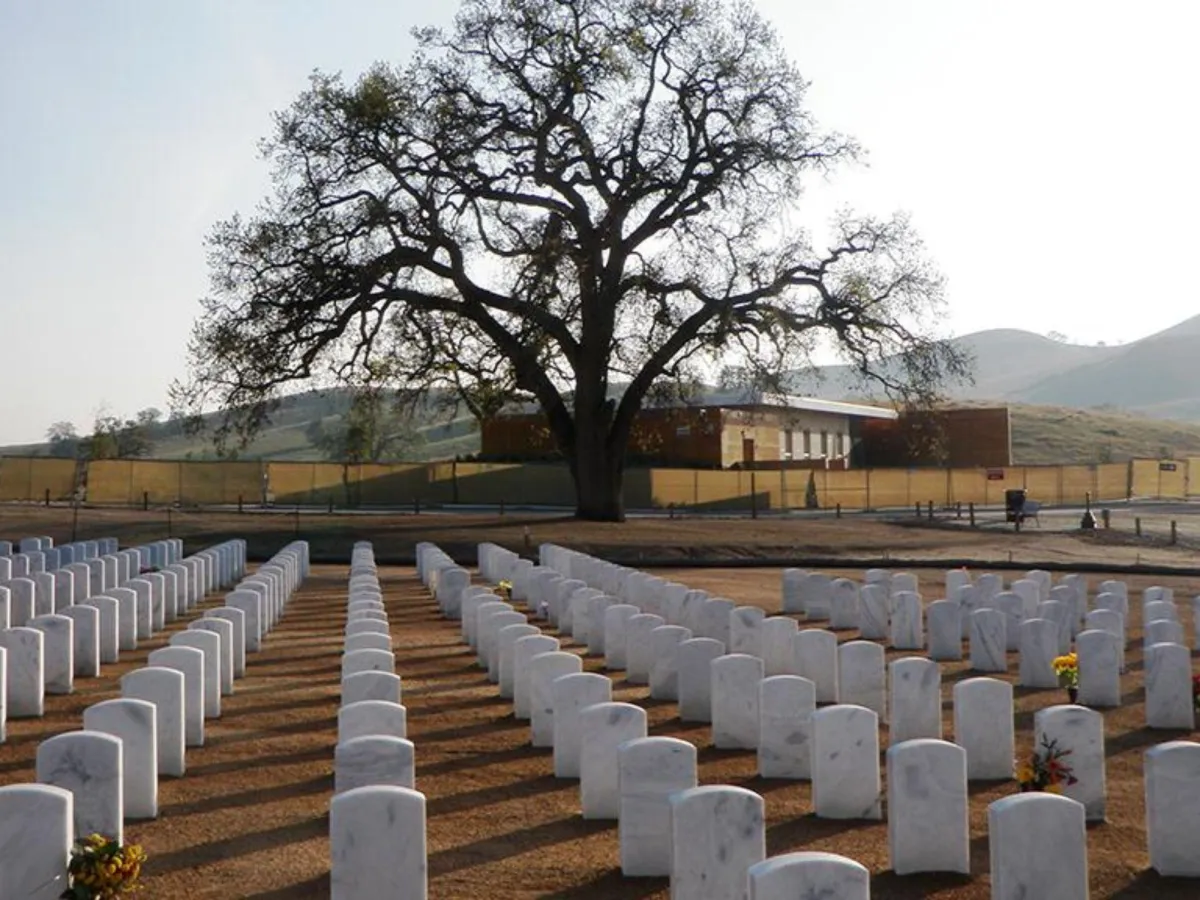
column 1137, row 526
column 930, row 510
column 47, row 496
column 1174, row 533
column 1107, row 517
column 838, row 512
column 145, row 500
column 958, row 510
column 971, row 512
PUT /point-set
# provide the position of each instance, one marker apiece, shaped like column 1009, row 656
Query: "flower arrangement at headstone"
column 103, row 869
column 1067, row 669
column 1045, row 769
column 505, row 590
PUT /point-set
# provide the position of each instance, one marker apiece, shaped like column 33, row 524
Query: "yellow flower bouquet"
column 1067, row 669
column 505, row 590
column 102, row 869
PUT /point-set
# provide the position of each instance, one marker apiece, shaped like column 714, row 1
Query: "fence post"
column 501, row 506
column 75, row 521
column 297, row 521
column 47, row 496
column 1137, row 526
column 930, row 510
column 838, row 513
column 416, row 506
column 1107, row 517
column 239, row 504
column 1174, row 533
column 168, row 521
column 918, row 508
column 971, row 512
column 958, row 510
column 145, row 500
column 753, row 495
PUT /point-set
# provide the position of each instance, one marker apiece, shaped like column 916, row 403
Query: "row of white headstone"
column 983, row 725
column 1032, row 616
column 92, row 781
column 45, row 646
column 377, row 818
column 46, row 580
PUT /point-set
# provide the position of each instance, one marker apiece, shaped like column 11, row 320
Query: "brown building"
column 769, row 431
column 954, row 438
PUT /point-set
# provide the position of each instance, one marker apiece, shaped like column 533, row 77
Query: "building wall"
column 958, row 438
column 813, row 435
column 683, row 437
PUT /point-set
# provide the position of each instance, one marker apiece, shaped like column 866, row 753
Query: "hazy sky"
column 1046, row 151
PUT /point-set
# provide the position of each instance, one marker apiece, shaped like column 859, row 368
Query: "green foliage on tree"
column 553, row 197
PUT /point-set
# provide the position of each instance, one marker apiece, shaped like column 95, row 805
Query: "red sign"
column 995, row 474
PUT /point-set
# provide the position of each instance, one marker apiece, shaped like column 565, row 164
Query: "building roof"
column 746, row 399
column 753, row 399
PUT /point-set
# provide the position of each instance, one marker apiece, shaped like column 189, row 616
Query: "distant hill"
column 1070, row 403
column 1155, row 376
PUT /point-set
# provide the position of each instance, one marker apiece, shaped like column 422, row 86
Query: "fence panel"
column 155, row 481
column 847, row 487
column 888, row 488
column 110, row 481
column 1044, row 484
column 32, row 478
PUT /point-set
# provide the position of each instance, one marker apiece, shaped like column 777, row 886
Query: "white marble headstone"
column 164, row 688
column 603, row 728
column 36, row 832
column 1173, row 808
column 651, row 770
column 786, row 704
column 927, row 808
column 845, row 763
column 88, row 764
column 693, row 664
column 916, row 700
column 1038, row 847
column 717, row 833
column 134, row 723
column 984, row 727
column 1081, row 731
column 377, row 843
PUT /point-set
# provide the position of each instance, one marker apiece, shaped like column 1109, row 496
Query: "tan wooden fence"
column 129, row 482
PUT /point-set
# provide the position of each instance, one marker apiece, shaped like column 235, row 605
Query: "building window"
column 807, row 443
column 824, row 443
column 843, row 445
column 788, row 444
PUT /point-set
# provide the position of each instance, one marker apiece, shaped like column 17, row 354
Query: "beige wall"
column 769, row 432
column 126, row 482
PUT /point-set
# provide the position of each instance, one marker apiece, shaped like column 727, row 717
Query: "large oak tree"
column 576, row 200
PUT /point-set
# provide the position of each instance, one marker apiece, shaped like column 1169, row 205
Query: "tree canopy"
column 580, row 202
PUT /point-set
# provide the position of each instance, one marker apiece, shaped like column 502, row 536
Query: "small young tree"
column 578, row 193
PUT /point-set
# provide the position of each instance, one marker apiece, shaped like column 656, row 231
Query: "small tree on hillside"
column 582, row 193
